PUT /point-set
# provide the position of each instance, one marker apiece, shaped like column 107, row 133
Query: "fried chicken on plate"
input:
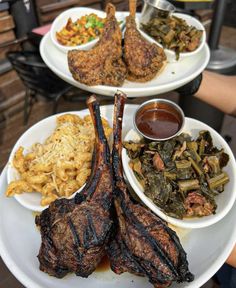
column 103, row 64
column 143, row 59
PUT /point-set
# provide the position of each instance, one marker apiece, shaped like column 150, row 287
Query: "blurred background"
column 24, row 22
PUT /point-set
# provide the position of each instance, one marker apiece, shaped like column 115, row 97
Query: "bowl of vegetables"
column 78, row 28
column 189, row 180
column 179, row 34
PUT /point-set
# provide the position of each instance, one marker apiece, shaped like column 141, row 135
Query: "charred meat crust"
column 144, row 244
column 75, row 232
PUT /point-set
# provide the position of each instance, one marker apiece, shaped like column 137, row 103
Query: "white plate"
column 38, row 133
column 207, row 248
column 174, row 75
column 74, row 14
column 224, row 201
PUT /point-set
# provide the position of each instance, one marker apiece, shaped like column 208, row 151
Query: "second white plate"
column 206, row 248
column 173, row 76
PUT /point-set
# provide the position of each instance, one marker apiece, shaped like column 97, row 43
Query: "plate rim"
column 28, row 282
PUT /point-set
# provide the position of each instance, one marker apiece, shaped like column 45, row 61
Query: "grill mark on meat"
column 144, row 263
column 155, row 249
column 94, row 184
column 79, row 198
column 173, row 237
column 154, row 244
column 182, row 255
column 74, row 235
column 61, row 271
column 91, row 231
column 104, row 156
column 127, row 253
column 118, row 251
column 146, row 266
column 78, row 255
column 89, row 189
column 91, row 227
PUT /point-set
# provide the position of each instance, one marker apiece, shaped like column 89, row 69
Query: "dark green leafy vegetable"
column 223, row 158
column 207, row 144
column 175, row 207
column 184, row 173
column 173, row 33
column 181, row 175
column 157, row 188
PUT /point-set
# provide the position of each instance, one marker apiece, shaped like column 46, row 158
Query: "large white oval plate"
column 207, row 248
column 174, row 74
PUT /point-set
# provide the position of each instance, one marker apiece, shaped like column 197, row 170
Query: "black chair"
column 38, row 80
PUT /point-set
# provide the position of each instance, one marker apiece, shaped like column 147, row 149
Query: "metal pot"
column 156, row 8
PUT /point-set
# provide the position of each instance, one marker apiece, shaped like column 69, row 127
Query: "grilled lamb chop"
column 75, row 232
column 144, row 244
column 102, row 64
column 143, row 59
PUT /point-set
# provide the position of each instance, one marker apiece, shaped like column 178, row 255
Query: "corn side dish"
column 82, row 31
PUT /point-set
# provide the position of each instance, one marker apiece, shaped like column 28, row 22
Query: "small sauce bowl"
column 156, row 8
column 159, row 119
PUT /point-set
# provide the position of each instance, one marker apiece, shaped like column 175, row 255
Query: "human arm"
column 232, row 258
column 219, row 91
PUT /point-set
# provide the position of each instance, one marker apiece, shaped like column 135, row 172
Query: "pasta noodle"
column 59, row 166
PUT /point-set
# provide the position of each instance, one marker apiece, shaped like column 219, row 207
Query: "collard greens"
column 182, row 176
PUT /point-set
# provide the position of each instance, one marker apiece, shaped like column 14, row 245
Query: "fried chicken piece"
column 143, row 59
column 103, row 64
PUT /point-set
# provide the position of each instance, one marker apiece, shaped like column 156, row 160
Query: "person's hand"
column 190, row 88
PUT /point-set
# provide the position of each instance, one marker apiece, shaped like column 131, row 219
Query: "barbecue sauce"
column 158, row 123
column 103, row 265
